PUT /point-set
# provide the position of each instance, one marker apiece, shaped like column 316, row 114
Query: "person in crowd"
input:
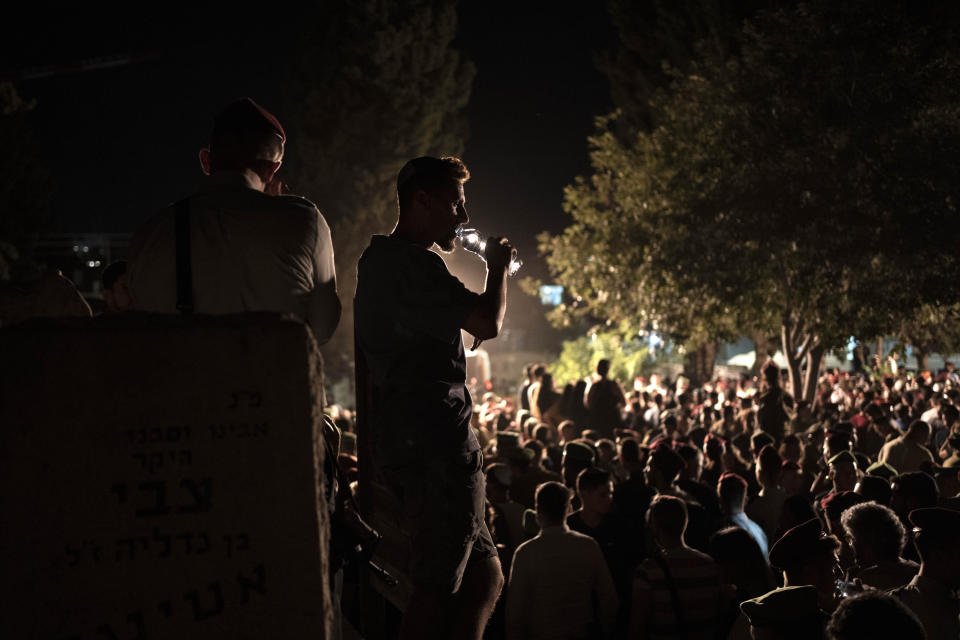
column 597, row 518
column 744, row 567
column 241, row 248
column 533, row 389
column 523, row 400
column 677, row 591
column 932, row 593
column 788, row 613
column 409, row 314
column 766, row 507
column 548, row 406
column 911, row 491
column 874, row 614
column 807, row 556
column 877, row 537
column 605, row 401
column 732, row 490
column 774, row 406
column 874, row 489
column 560, row 586
column 508, row 514
column 909, row 453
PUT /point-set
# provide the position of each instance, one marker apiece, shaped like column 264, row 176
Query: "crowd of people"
column 725, row 510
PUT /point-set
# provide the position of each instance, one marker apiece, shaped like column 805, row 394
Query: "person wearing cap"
column 560, row 586
column 807, row 556
column 247, row 250
column 908, row 452
column 931, row 594
column 409, row 313
column 787, row 613
column 508, row 513
column 877, row 537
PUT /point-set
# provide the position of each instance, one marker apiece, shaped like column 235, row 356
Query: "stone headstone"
column 160, row 477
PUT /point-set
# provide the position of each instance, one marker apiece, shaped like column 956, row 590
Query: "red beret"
column 242, row 116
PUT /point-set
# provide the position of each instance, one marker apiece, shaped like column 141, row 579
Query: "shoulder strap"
column 661, row 561
column 184, row 264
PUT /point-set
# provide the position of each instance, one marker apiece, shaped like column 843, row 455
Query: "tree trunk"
column 793, row 362
column 923, row 358
column 814, row 359
column 699, row 363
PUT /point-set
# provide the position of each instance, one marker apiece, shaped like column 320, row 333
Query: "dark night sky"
column 122, row 142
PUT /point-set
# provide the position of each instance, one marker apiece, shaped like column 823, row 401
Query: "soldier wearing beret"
column 931, row 595
column 787, row 613
column 243, row 247
column 807, row 556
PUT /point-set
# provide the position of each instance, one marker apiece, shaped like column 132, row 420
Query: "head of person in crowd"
column 606, row 451
column 552, row 501
column 833, row 506
column 692, row 462
column 247, row 139
column 796, row 510
column 713, row 447
column 595, row 488
column 732, row 490
column 742, row 562
column 950, row 415
column 758, row 441
column 590, row 434
column 577, row 456
column 771, row 374
column 791, row 448
column 568, row 431
column 874, row 489
column 787, row 613
column 935, row 535
column 836, row 442
column 918, row 432
column 543, row 434
column 630, row 457
column 499, row 479
column 603, row 368
column 792, row 478
column 843, row 471
column 116, row 294
column 948, row 481
column 874, row 614
column 538, row 371
column 769, row 468
column 807, row 556
column 874, row 532
column 663, row 467
column 431, row 200
column 914, row 490
column 667, row 519
column 882, row 470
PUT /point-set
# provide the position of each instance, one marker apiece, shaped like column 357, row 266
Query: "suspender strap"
column 661, row 561
column 184, row 265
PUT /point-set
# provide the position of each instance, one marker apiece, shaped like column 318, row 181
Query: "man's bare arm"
column 485, row 319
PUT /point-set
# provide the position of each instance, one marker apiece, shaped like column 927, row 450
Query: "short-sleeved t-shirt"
column 408, row 312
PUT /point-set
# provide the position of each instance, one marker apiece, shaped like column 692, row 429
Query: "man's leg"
column 474, row 602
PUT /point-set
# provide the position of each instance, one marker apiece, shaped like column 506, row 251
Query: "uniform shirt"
column 904, row 456
column 249, row 252
column 408, row 312
column 934, row 605
column 559, row 588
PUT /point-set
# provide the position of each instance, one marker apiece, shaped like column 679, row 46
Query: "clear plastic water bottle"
column 474, row 241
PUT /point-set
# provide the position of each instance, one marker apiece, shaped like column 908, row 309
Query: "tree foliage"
column 377, row 83
column 807, row 184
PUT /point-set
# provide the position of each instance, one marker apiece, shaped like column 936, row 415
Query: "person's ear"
column 205, row 160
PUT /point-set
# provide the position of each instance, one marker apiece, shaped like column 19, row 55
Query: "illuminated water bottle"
column 473, row 240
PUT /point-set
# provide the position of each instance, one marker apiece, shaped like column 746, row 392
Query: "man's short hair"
column 630, row 450
column 731, row 487
column 592, row 478
column 428, row 174
column 877, row 527
column 603, row 367
column 873, row 614
column 669, row 514
column 552, row 500
column 920, row 486
column 245, row 135
column 112, row 273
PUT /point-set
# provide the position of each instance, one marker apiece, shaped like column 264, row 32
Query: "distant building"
column 81, row 257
